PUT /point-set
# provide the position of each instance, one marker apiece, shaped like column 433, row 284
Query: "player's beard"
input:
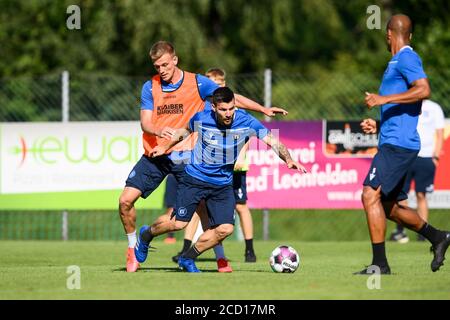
column 229, row 123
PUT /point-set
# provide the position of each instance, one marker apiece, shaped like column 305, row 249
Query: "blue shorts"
column 240, row 187
column 219, row 200
column 422, row 172
column 389, row 169
column 170, row 195
column 148, row 173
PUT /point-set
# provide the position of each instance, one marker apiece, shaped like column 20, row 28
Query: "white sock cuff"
column 131, row 239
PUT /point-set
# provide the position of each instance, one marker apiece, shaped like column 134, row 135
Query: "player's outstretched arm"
column 177, row 136
column 281, row 150
column 248, row 104
column 149, row 127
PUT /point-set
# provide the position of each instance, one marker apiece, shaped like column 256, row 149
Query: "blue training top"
column 217, row 148
column 399, row 121
column 206, row 88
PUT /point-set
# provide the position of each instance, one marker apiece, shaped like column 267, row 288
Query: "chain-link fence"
column 94, row 97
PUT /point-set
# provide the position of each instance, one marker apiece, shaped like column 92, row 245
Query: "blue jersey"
column 206, row 89
column 399, row 121
column 217, row 148
column 208, row 105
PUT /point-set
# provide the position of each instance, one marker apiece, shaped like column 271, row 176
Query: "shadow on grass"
column 168, row 269
column 175, row 269
column 207, row 260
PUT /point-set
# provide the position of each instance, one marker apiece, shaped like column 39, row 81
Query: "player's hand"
column 373, row 100
column 158, row 151
column 295, row 165
column 369, row 126
column 272, row 111
column 238, row 166
column 435, row 162
column 167, row 133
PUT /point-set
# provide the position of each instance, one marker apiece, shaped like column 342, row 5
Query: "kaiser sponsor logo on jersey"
column 173, row 108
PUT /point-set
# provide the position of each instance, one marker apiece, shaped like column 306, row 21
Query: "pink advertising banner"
column 334, row 178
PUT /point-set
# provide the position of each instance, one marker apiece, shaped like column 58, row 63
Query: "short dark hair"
column 223, row 94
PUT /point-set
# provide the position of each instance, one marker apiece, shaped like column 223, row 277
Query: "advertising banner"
column 337, row 155
column 84, row 165
column 76, row 165
column 332, row 181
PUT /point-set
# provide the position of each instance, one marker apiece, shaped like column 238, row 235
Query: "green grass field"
column 37, row 270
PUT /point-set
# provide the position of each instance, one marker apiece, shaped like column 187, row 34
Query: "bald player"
column 403, row 87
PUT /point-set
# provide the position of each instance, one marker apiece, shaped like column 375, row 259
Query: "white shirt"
column 431, row 119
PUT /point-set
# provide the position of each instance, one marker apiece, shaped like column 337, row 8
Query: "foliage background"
column 240, row 36
column 322, row 55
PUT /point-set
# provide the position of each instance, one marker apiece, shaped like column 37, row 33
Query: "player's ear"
column 175, row 60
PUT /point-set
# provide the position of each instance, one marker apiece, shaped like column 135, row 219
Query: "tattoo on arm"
column 279, row 148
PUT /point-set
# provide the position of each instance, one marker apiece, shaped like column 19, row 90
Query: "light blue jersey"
column 399, row 121
column 217, row 148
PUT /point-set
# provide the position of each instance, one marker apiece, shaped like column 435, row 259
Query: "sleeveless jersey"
column 174, row 109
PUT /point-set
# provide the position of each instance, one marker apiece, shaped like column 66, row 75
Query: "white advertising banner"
column 75, row 156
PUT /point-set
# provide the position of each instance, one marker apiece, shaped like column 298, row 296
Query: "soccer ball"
column 284, row 259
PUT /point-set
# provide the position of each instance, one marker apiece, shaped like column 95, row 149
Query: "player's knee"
column 224, row 230
column 421, row 195
column 125, row 205
column 368, row 196
column 179, row 225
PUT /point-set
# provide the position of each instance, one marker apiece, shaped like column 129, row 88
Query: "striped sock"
column 192, row 253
